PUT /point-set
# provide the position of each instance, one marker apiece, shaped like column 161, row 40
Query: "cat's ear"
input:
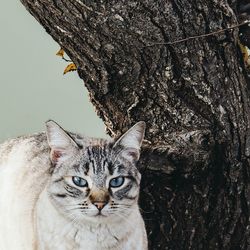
column 129, row 144
column 60, row 142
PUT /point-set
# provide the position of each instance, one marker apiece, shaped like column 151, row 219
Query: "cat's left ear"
column 60, row 142
column 129, row 144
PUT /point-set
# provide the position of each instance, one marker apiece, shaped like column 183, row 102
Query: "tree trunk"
column 193, row 96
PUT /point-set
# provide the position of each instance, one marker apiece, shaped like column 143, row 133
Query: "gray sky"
column 32, row 86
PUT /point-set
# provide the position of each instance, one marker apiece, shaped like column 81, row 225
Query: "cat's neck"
column 105, row 234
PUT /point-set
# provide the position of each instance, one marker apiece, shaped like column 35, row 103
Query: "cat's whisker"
column 74, row 207
column 122, row 205
column 78, row 204
column 123, row 209
column 71, row 205
column 125, row 219
column 71, row 209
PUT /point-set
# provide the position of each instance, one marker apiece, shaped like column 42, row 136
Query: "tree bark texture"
column 193, row 95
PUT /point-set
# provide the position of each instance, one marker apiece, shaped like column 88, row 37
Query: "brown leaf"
column 70, row 67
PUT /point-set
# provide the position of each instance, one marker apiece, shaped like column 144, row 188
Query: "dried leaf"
column 245, row 53
column 60, row 53
column 70, row 67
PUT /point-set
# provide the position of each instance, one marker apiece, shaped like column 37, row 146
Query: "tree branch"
column 201, row 36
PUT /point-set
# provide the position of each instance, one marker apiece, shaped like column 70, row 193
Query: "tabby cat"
column 63, row 191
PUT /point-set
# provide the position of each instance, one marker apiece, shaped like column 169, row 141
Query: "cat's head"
column 94, row 179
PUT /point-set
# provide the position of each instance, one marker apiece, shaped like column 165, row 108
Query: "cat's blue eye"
column 117, row 182
column 80, row 182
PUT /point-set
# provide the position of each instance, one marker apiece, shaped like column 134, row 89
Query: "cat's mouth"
column 100, row 214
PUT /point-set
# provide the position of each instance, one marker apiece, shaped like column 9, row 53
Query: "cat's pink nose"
column 100, row 205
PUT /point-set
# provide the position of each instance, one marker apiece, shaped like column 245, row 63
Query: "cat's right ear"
column 60, row 142
column 129, row 144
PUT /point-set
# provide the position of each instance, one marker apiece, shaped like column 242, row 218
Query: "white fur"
column 21, row 181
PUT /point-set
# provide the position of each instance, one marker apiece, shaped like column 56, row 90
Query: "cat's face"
column 97, row 180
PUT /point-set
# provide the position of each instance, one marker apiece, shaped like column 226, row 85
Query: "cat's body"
column 42, row 209
column 23, row 164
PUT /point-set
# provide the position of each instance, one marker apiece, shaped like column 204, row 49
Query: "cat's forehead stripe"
column 97, row 156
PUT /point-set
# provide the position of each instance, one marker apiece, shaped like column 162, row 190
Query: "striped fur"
column 96, row 216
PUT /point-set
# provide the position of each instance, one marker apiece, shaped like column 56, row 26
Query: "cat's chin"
column 100, row 215
column 100, row 218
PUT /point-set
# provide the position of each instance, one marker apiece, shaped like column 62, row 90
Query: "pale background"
column 32, row 86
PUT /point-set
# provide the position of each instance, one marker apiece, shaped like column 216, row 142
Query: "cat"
column 64, row 191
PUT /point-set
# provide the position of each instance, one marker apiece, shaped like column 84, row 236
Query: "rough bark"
column 193, row 95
